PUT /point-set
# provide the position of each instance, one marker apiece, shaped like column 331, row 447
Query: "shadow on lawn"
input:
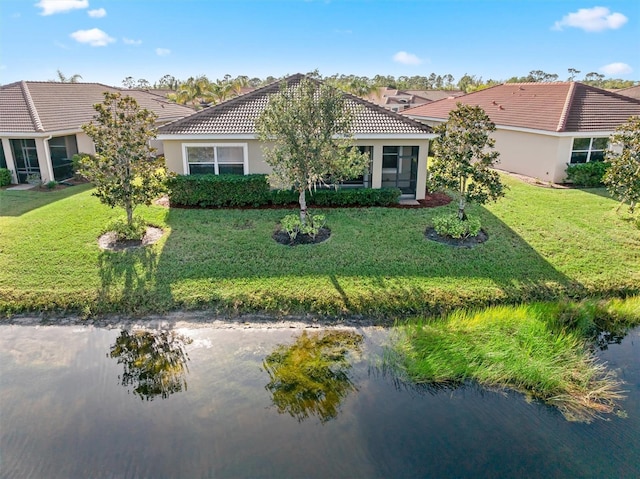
column 17, row 203
column 209, row 261
column 128, row 278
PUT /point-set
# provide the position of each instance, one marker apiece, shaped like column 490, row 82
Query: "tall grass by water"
column 544, row 350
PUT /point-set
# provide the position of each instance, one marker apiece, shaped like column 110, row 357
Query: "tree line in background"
column 200, row 90
column 213, row 91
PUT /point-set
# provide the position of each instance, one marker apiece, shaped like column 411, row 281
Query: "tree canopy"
column 465, row 156
column 622, row 179
column 309, row 129
column 124, row 170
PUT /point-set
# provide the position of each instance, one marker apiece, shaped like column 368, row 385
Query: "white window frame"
column 589, row 150
column 185, row 156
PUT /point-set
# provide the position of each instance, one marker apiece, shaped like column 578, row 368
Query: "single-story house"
column 222, row 139
column 40, row 124
column 542, row 127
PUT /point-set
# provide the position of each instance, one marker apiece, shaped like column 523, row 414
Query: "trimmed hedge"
column 218, row 191
column 588, row 174
column 342, row 197
column 253, row 190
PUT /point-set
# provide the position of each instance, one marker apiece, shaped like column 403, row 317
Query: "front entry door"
column 25, row 156
column 400, row 168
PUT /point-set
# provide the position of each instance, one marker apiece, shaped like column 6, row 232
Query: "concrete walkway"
column 21, row 187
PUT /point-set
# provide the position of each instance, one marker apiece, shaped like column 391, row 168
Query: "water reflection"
column 311, row 377
column 155, row 362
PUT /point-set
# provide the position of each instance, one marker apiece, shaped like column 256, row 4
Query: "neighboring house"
column 40, row 124
column 222, row 139
column 541, row 127
column 398, row 100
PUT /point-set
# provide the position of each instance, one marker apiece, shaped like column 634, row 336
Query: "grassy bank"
column 543, row 244
column 542, row 349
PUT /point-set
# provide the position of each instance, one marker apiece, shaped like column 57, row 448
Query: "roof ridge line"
column 562, row 122
column 33, row 112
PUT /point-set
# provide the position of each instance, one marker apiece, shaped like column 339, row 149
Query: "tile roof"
column 558, row 107
column 27, row 107
column 633, row 92
column 237, row 116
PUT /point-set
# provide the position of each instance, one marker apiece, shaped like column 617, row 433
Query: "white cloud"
column 129, row 41
column 617, row 68
column 163, row 52
column 94, row 37
column 49, row 7
column 97, row 13
column 406, row 58
column 593, row 19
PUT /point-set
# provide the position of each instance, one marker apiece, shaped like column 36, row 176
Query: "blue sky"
column 108, row 40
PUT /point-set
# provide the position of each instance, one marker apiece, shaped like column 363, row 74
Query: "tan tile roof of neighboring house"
column 27, row 107
column 237, row 116
column 559, row 107
column 434, row 95
column 633, row 92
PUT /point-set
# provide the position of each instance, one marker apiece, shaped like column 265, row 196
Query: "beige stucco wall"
column 85, row 144
column 539, row 156
column 531, row 154
column 173, row 151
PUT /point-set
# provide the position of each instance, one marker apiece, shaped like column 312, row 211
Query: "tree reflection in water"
column 155, row 362
column 311, row 376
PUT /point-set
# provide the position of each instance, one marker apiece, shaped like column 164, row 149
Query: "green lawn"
column 543, row 244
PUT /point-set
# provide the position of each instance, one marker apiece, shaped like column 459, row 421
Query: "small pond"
column 199, row 402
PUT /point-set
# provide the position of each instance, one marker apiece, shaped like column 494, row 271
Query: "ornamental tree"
column 464, row 157
column 124, row 171
column 622, row 179
column 309, row 126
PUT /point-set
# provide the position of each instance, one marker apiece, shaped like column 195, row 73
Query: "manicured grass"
column 543, row 244
column 540, row 349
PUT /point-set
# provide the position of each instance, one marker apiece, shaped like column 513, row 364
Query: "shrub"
column 76, row 160
column 5, row 177
column 51, row 185
column 342, row 197
column 126, row 232
column 219, row 190
column 293, row 226
column 451, row 225
column 588, row 175
column 34, row 179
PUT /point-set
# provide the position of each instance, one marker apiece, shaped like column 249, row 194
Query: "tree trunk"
column 462, row 203
column 129, row 210
column 461, row 214
column 303, row 207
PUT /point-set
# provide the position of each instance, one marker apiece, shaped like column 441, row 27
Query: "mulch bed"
column 109, row 242
column 282, row 237
column 470, row 242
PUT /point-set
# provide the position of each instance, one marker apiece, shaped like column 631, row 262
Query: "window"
column 62, row 149
column 25, row 156
column 390, row 155
column 227, row 159
column 365, row 179
column 3, row 160
column 588, row 149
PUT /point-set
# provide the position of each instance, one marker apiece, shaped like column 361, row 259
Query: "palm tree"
column 62, row 78
column 193, row 91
